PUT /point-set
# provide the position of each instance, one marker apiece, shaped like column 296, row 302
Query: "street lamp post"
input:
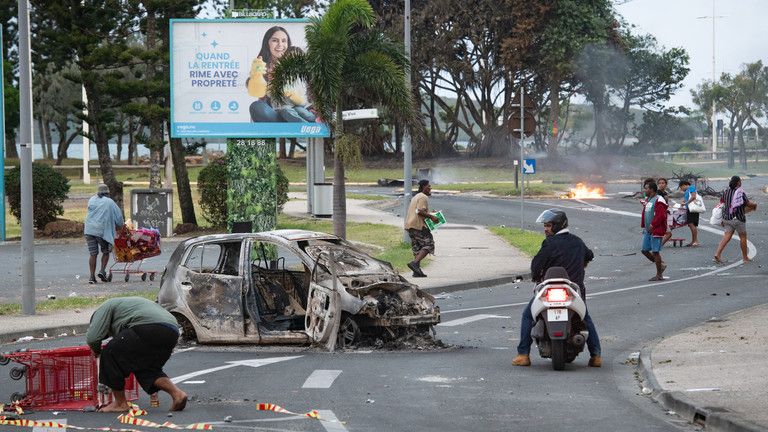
column 714, row 79
column 25, row 133
column 407, row 163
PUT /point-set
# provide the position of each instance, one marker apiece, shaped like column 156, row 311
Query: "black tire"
column 109, row 277
column 349, row 332
column 18, row 373
column 17, row 397
column 558, row 355
column 152, row 276
column 127, row 277
column 143, row 277
column 4, row 360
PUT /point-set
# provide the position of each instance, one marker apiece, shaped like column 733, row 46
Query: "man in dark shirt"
column 559, row 249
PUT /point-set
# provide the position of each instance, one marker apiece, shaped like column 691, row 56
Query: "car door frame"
column 323, row 317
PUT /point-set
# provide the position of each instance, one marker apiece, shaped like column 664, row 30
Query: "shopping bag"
column 717, row 215
column 440, row 221
column 697, row 205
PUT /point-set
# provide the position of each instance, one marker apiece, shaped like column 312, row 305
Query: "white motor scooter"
column 558, row 312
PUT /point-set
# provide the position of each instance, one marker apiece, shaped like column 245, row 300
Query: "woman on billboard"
column 275, row 44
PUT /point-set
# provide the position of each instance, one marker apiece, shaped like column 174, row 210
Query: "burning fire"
column 582, row 191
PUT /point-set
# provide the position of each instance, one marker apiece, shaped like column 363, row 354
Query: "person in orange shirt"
column 422, row 242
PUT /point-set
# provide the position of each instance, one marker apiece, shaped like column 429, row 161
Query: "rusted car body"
column 288, row 286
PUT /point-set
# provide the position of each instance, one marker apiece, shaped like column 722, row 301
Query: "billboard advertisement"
column 219, row 75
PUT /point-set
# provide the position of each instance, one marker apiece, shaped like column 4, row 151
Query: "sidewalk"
column 466, row 256
column 714, row 373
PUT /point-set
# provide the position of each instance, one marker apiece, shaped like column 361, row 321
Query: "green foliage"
column 212, row 186
column 252, row 192
column 529, row 242
column 660, row 128
column 348, row 148
column 50, row 190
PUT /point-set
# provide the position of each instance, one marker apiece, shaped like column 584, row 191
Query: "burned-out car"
column 289, row 286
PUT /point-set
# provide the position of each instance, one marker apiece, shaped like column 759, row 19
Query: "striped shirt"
column 738, row 212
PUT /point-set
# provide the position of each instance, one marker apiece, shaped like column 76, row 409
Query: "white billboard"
column 219, row 75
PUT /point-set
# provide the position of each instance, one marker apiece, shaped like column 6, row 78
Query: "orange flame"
column 582, row 191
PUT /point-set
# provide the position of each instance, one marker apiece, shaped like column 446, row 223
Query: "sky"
column 740, row 35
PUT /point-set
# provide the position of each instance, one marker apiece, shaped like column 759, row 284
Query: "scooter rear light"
column 557, row 334
column 557, row 295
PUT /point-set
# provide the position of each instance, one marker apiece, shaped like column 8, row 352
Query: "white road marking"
column 331, row 423
column 703, row 389
column 321, row 379
column 469, row 319
column 752, row 251
column 183, row 350
column 251, row 363
column 194, row 382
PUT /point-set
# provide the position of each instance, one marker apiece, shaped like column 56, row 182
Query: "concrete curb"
column 37, row 333
column 712, row 418
column 483, row 283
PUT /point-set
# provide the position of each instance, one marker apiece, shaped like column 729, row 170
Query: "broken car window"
column 347, row 260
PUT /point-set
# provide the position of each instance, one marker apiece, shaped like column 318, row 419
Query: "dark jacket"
column 562, row 250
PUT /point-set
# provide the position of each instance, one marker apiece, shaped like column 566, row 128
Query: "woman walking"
column 735, row 206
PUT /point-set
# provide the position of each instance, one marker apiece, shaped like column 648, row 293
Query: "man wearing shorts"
column 654, row 224
column 692, row 218
column 103, row 218
column 422, row 242
column 143, row 337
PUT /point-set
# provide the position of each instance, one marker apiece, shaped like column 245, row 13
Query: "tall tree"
column 345, row 58
column 57, row 96
column 652, row 76
column 8, row 19
column 549, row 36
column 95, row 34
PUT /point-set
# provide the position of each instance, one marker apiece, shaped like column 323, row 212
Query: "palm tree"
column 346, row 60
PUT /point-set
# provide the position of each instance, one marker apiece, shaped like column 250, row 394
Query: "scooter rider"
column 563, row 249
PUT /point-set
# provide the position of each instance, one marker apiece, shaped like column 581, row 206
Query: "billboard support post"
column 2, row 143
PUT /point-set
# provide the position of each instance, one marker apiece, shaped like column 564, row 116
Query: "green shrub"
column 49, row 190
column 212, row 185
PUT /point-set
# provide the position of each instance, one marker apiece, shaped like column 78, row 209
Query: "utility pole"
column 25, row 133
column 407, row 163
column 86, row 141
column 714, row 79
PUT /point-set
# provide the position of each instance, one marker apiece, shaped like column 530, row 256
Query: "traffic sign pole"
column 522, row 138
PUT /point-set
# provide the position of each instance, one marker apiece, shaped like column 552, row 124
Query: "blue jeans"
column 526, row 325
column 261, row 111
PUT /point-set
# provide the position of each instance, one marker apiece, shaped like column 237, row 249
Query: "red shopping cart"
column 132, row 247
column 62, row 379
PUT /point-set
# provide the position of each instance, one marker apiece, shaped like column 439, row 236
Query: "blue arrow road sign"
column 529, row 166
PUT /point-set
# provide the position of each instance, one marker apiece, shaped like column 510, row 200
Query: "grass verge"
column 72, row 302
column 501, row 189
column 386, row 239
column 527, row 241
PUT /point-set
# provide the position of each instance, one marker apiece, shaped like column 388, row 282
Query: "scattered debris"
column 51, row 297
column 369, row 401
column 228, row 419
column 647, row 391
column 25, row 339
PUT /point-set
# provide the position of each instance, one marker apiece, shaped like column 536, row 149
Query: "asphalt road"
column 471, row 385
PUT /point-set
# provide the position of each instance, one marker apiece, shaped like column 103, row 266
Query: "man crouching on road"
column 559, row 249
column 422, row 242
column 143, row 337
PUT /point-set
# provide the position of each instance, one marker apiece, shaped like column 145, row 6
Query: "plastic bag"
column 697, row 205
column 717, row 215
